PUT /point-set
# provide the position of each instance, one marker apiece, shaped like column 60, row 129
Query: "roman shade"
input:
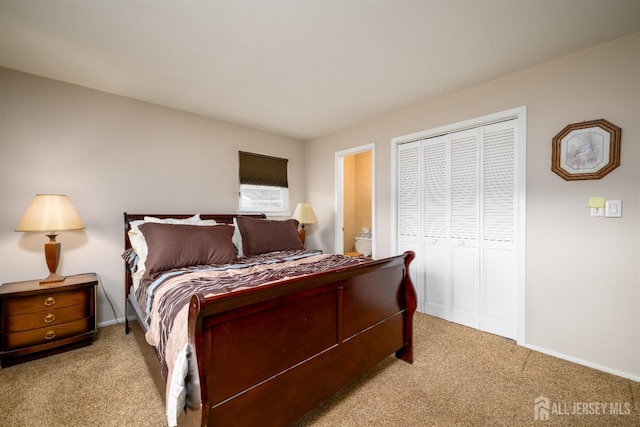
column 258, row 169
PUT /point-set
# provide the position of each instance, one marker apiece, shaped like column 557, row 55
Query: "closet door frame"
column 520, row 115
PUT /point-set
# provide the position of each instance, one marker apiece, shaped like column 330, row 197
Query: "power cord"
column 108, row 299
column 104, row 291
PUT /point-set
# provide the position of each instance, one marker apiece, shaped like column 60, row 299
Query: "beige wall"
column 112, row 154
column 582, row 275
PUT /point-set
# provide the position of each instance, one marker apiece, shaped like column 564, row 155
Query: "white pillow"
column 139, row 244
column 237, row 238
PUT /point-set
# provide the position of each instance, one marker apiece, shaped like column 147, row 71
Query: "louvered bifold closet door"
column 409, row 211
column 498, row 238
column 436, row 224
column 458, row 209
column 465, row 185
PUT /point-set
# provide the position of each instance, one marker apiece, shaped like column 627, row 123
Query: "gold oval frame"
column 603, row 163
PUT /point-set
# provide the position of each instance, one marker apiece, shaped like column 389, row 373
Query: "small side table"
column 40, row 320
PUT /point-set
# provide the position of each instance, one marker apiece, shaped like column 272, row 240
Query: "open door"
column 355, row 200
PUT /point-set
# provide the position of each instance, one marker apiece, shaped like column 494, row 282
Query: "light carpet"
column 460, row 377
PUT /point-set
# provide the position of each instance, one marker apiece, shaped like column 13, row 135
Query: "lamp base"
column 52, row 256
column 52, row 278
column 303, row 234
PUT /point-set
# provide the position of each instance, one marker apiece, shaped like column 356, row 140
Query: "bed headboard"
column 220, row 218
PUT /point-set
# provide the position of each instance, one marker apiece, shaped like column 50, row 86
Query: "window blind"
column 258, row 169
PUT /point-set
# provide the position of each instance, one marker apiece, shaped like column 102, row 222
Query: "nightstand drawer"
column 47, row 334
column 46, row 318
column 45, row 301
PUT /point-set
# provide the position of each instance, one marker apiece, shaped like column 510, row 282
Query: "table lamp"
column 51, row 213
column 304, row 214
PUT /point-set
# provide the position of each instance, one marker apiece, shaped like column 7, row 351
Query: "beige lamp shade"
column 50, row 212
column 304, row 214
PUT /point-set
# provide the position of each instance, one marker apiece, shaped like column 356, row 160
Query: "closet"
column 457, row 208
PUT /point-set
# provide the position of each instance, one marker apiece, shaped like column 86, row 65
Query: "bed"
column 260, row 336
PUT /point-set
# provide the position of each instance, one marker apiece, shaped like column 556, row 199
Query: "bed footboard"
column 269, row 357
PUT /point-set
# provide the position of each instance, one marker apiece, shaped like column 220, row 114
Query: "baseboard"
column 111, row 322
column 583, row 362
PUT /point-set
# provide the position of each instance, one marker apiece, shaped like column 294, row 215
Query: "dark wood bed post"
column 411, row 301
column 196, row 410
column 127, row 277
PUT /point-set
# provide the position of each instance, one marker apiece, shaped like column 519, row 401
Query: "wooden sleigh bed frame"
column 325, row 330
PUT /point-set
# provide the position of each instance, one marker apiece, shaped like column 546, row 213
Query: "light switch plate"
column 613, row 208
column 597, row 212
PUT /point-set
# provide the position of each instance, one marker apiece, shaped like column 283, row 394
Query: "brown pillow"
column 177, row 245
column 260, row 236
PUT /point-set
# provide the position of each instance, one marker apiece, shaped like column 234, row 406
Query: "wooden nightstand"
column 40, row 320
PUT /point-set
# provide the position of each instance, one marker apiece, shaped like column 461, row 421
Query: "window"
column 263, row 198
column 263, row 183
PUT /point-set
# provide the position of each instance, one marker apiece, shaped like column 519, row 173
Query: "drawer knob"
column 49, row 301
column 50, row 335
column 49, row 318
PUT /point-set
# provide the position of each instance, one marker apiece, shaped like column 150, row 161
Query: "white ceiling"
column 299, row 68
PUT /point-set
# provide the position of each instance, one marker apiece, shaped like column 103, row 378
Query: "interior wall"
column 112, row 154
column 582, row 279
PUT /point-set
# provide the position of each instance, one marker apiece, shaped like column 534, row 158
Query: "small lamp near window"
column 304, row 214
column 51, row 213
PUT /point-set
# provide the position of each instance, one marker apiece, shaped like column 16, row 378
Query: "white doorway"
column 355, row 197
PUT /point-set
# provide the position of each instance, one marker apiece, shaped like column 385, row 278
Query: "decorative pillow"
column 182, row 245
column 138, row 243
column 263, row 235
